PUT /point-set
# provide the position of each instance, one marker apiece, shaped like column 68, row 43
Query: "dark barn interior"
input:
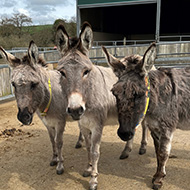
column 138, row 21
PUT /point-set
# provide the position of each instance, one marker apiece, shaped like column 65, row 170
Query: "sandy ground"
column 25, row 153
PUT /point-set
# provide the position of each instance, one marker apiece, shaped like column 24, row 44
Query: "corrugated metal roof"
column 98, row 3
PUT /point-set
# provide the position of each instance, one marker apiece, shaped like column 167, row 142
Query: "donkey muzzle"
column 76, row 105
column 125, row 135
column 25, row 116
column 75, row 113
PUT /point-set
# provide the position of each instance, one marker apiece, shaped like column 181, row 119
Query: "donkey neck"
column 46, row 90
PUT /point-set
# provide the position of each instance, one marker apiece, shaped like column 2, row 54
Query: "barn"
column 135, row 19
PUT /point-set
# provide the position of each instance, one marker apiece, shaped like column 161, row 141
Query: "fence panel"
column 6, row 90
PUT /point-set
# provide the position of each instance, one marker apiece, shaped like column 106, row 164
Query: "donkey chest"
column 184, row 124
column 48, row 121
column 88, row 121
column 153, row 125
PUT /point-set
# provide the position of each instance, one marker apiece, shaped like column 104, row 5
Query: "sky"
column 41, row 11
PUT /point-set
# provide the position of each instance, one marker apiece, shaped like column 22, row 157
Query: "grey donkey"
column 40, row 90
column 88, row 90
column 160, row 97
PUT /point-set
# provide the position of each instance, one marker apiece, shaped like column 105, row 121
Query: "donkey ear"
column 117, row 66
column 86, row 37
column 33, row 53
column 62, row 39
column 12, row 60
column 149, row 57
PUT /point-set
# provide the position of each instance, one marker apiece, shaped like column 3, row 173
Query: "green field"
column 33, row 29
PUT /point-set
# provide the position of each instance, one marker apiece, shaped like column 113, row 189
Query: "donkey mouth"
column 27, row 120
column 76, row 117
column 125, row 136
column 76, row 113
column 25, row 117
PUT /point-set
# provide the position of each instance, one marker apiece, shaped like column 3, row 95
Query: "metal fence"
column 178, row 56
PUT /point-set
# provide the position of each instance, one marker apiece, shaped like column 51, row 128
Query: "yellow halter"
column 147, row 83
column 43, row 113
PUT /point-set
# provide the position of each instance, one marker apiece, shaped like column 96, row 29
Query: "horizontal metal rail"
column 163, row 59
column 4, row 66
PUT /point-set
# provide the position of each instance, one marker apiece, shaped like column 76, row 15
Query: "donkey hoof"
column 86, row 174
column 93, row 187
column 156, row 186
column 78, row 145
column 124, row 155
column 153, row 179
column 172, row 156
column 53, row 163
column 142, row 151
column 61, row 171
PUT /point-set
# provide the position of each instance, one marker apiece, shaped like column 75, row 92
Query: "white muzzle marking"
column 75, row 101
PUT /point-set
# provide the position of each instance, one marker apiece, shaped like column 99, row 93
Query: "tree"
column 70, row 26
column 19, row 20
column 7, row 28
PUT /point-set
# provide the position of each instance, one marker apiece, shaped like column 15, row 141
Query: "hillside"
column 43, row 35
column 37, row 28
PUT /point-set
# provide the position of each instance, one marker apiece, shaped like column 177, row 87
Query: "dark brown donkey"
column 160, row 97
column 89, row 94
column 39, row 90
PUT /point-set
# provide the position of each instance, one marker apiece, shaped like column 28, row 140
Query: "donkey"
column 160, row 97
column 89, row 97
column 40, row 90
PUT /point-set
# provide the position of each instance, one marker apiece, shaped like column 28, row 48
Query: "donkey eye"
column 86, row 72
column 13, row 84
column 33, row 85
column 63, row 73
column 114, row 92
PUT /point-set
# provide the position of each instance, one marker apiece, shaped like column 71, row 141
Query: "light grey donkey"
column 88, row 90
column 40, row 90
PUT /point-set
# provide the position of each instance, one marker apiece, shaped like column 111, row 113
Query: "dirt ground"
column 25, row 153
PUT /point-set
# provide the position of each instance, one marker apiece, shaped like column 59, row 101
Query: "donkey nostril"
column 69, row 110
column 27, row 117
column 81, row 110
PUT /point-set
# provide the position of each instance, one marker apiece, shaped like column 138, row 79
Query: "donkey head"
column 131, row 89
column 26, row 82
column 75, row 67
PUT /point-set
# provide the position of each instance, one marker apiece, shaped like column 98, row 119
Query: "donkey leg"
column 156, row 146
column 162, row 153
column 95, row 153
column 128, row 148
column 51, row 131
column 144, row 140
column 59, row 145
column 80, row 140
column 87, row 137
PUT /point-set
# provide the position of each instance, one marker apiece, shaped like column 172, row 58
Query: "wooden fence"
column 6, row 90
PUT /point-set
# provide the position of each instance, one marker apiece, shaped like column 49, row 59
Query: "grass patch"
column 35, row 29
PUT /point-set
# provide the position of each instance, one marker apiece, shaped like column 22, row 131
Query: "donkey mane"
column 133, row 62
column 133, row 59
column 73, row 42
column 26, row 60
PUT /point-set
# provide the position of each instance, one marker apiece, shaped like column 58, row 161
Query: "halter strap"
column 147, row 83
column 43, row 113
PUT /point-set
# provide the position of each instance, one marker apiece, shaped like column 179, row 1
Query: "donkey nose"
column 75, row 113
column 24, row 116
column 125, row 136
